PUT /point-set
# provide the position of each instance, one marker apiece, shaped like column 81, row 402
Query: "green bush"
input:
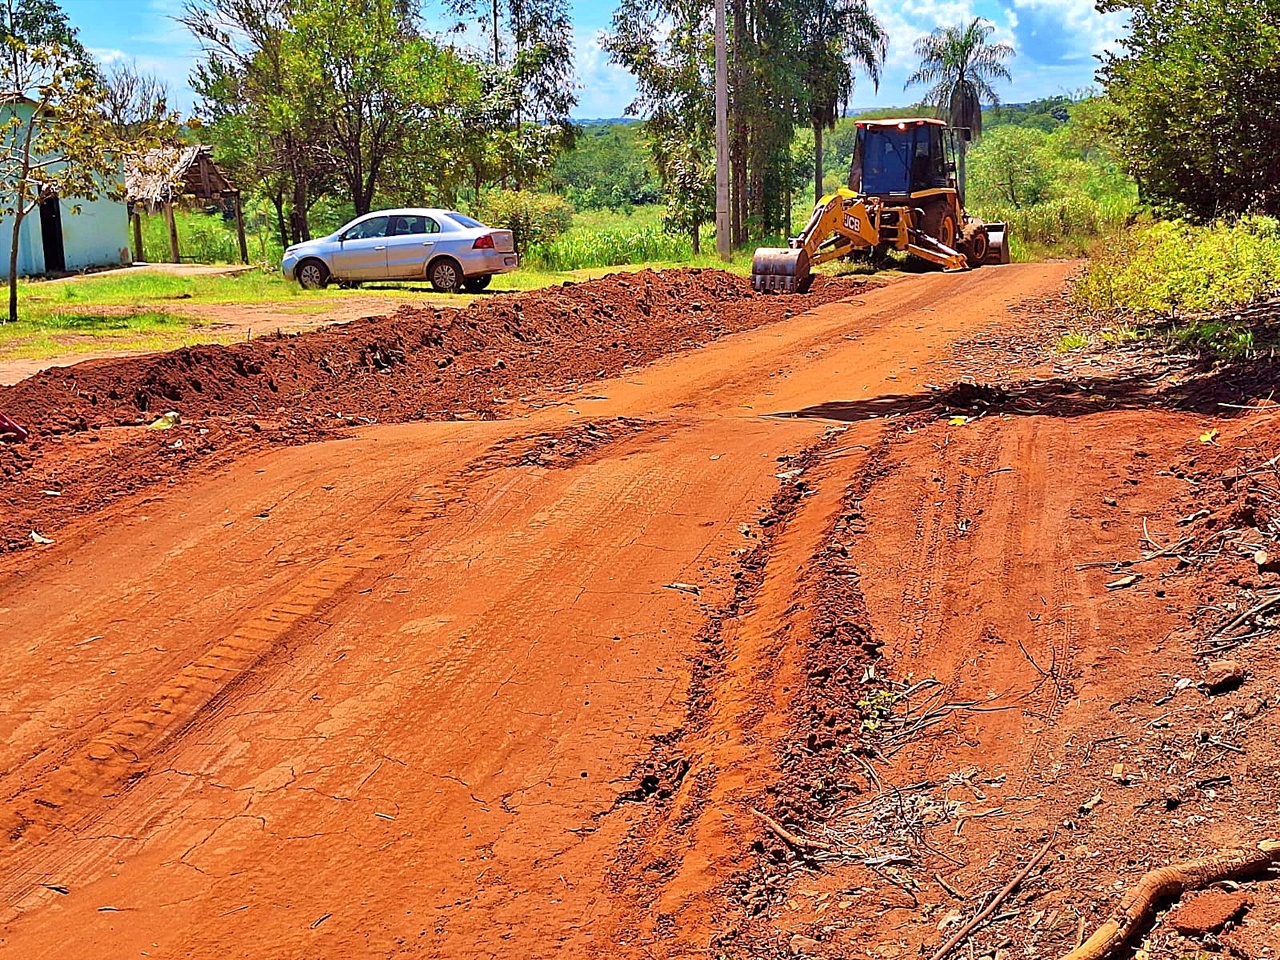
column 1173, row 267
column 534, row 218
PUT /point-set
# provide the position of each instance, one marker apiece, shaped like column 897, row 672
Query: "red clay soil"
column 89, row 445
column 517, row 687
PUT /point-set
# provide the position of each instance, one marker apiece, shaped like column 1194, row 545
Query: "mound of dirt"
column 419, row 362
column 88, row 444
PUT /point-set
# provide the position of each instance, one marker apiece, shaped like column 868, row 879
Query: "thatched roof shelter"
column 159, row 178
column 167, row 173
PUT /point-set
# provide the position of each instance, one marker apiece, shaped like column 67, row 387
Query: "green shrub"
column 1173, row 267
column 534, row 218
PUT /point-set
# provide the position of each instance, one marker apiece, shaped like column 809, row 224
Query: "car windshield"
column 466, row 221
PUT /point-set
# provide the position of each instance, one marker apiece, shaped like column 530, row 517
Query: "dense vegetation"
column 1197, row 95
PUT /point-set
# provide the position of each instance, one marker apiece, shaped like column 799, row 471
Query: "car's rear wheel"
column 445, row 275
column 313, row 275
column 476, row 284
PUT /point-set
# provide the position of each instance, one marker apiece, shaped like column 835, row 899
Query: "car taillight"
column 483, row 243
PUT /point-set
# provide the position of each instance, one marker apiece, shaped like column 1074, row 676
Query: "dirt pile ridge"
column 419, row 362
column 490, row 360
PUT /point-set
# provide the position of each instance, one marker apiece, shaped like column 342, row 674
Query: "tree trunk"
column 277, row 201
column 301, row 231
column 136, row 216
column 817, row 163
column 244, row 247
column 697, row 239
column 13, row 269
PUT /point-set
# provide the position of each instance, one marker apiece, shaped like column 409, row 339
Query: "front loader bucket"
column 780, row 270
column 997, row 243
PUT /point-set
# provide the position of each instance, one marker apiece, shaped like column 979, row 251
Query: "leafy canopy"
column 1197, row 94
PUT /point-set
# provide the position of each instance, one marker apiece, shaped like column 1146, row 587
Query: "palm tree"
column 835, row 37
column 959, row 66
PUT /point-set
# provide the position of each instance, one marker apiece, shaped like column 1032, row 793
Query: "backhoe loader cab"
column 905, row 193
column 899, row 158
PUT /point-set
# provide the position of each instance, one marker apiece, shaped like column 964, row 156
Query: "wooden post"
column 135, row 214
column 174, row 256
column 244, row 247
column 723, row 240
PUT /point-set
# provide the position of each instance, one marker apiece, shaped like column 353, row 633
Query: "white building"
column 53, row 239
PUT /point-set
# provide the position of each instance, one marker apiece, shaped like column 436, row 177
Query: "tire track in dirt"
column 424, row 771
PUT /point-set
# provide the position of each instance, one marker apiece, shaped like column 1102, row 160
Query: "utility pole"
column 723, row 242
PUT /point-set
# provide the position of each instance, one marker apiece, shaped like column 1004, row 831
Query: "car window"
column 409, row 224
column 367, row 229
column 466, row 221
column 404, row 225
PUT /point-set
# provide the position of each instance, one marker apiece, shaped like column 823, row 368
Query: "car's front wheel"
column 313, row 275
column 477, row 284
column 445, row 275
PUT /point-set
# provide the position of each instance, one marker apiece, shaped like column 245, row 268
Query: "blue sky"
column 1056, row 42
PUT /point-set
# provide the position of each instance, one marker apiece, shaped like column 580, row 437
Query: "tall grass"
column 1066, row 227
column 1169, row 268
column 210, row 238
column 578, row 248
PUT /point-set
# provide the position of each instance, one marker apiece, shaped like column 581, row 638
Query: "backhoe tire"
column 974, row 244
column 939, row 222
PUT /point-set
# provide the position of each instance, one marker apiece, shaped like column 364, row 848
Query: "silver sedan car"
column 449, row 249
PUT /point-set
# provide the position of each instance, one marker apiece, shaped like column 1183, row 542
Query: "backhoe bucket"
column 997, row 243
column 780, row 270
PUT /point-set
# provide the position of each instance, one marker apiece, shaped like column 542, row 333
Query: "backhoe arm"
column 839, row 224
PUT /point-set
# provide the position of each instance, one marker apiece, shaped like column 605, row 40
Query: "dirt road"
column 510, row 688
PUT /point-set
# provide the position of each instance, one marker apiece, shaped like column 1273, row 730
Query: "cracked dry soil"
column 505, row 673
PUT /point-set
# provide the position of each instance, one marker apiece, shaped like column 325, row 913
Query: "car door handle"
column 381, row 247
column 428, row 243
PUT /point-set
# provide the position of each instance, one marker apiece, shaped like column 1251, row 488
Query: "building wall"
column 98, row 236
column 30, row 247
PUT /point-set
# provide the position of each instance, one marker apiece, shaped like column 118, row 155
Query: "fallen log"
column 1169, row 883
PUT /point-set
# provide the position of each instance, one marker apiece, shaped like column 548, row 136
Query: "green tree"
column 249, row 105
column 835, row 37
column 607, row 167
column 668, row 48
column 40, row 23
column 959, row 66
column 55, row 141
column 1011, row 167
column 1197, row 97
column 376, row 88
column 532, row 40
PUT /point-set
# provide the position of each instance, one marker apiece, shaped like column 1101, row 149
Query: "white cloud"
column 604, row 88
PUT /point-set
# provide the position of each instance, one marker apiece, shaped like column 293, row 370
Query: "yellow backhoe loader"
column 905, row 193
